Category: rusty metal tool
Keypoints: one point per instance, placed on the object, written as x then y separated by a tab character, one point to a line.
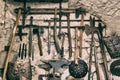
49	37
38	31
78	68
55	33
19	53
96	63
69	36
30	37
90	57
23	52
60	16
62	46
102	47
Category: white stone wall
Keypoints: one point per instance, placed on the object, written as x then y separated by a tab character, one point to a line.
107	10
90	5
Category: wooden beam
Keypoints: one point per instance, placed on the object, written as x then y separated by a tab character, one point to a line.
50	10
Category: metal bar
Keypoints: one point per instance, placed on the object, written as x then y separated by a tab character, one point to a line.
30	37
37	26
60	17
61	20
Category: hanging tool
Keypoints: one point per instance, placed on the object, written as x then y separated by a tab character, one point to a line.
11	43
55	33
98	31
5	10
20	49
92	24
49	37
23	51
38	31
60	16
69	35
62	46
30	37
81	34
102	47
96	62
78	68
20	33
90	57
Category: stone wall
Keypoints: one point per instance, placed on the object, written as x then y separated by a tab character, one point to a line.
97	8
107	10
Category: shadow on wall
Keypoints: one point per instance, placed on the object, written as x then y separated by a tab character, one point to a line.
52	1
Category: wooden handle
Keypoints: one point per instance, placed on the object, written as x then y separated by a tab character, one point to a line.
76	46
69	36
11	43
81	35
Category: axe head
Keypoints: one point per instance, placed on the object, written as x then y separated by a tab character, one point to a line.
89	29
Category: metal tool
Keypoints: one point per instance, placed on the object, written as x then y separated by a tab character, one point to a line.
55	33
92	24
20	49
102	47
69	36
60	16
96	63
49	37
78	68
93	49
23	51
30	37
38	31
115	67
11	43
20	33
56	64
62	46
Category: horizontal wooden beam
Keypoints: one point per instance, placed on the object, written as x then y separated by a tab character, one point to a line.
49	11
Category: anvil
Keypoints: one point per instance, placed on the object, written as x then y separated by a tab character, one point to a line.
55	64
